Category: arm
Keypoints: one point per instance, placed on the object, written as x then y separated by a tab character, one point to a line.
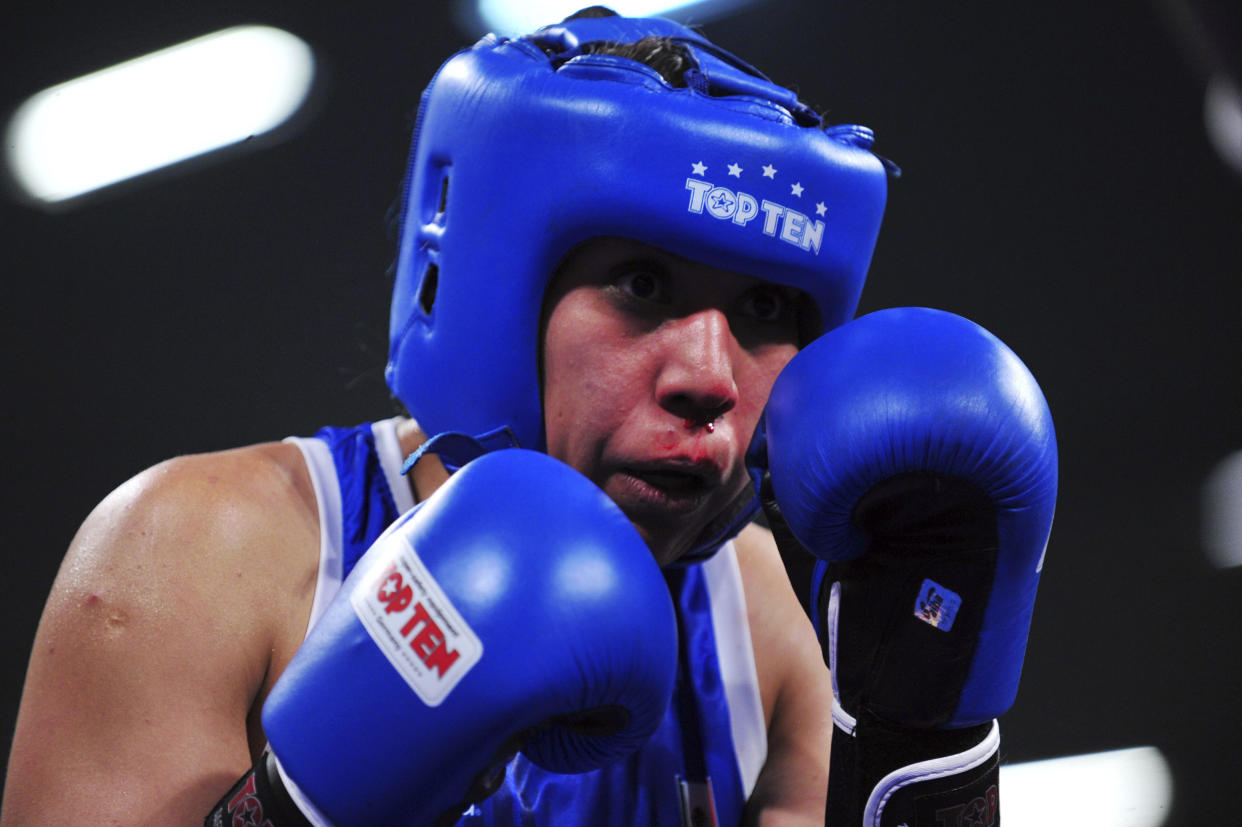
795	687
180	600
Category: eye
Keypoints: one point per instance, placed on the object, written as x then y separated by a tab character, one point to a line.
766	303
641	282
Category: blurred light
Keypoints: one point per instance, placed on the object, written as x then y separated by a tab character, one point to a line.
1123	788
486	577
156	110
1222	513
586	574
1222	114
515	17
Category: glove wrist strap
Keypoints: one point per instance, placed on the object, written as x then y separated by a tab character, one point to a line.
883	775
259	797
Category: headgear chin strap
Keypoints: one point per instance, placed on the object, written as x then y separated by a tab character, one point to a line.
524	148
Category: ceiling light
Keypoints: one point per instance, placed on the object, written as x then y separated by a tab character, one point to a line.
157	110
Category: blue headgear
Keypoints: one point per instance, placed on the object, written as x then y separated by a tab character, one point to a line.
525	148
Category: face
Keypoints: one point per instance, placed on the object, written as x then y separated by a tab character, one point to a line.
655	372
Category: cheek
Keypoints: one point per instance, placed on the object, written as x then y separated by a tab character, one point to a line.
585	380
559	400
590	387
765	366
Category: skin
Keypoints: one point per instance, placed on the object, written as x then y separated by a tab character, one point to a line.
187	590
655	372
642	349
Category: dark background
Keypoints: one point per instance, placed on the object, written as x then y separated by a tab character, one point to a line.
1058	188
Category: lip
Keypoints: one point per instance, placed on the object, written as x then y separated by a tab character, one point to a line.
668	487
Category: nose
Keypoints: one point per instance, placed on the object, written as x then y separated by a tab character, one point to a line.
696	379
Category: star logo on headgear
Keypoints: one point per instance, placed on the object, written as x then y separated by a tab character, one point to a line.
722	201
796	189
735	170
769	171
820	209
699	168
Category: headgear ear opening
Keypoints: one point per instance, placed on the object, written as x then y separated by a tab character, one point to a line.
526	147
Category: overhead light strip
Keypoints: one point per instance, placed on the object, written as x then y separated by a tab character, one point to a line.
157	110
1119	788
515	17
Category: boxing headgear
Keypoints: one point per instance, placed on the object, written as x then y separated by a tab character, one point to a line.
524	148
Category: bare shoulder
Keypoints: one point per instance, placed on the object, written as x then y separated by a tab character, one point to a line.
181	597
233	524
795	686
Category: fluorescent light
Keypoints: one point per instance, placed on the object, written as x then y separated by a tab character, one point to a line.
1222	507
156	110
1122	788
1222	114
515	17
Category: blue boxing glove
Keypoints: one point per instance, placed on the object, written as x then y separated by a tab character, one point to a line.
913	453
516	609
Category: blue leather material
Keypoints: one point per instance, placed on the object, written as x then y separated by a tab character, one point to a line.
693	742
519	155
571	614
918	391
640	789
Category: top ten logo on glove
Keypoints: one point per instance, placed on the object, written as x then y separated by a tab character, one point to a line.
413	623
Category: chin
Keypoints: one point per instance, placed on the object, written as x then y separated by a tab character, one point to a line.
665	550
671	537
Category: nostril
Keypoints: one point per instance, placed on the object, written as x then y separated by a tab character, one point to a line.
696	410
713	413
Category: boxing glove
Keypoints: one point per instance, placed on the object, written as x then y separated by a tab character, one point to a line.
913	453
516	609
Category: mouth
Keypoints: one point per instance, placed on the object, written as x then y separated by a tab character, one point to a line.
671	488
